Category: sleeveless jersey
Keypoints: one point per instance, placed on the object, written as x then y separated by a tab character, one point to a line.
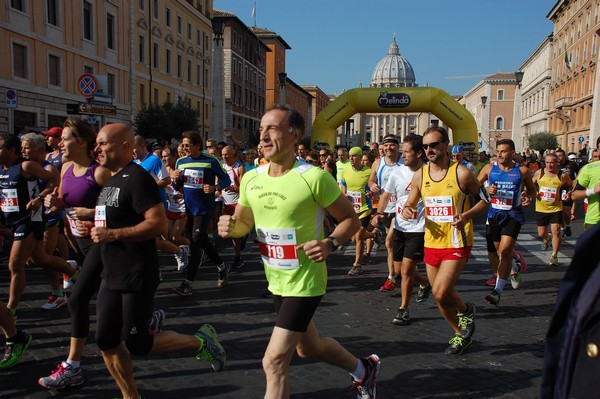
549	198
398	184
443	200
15	194
289	210
510	186
79	191
383	173
232	197
56	161
356	182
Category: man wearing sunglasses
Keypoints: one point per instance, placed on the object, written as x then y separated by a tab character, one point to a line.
444	187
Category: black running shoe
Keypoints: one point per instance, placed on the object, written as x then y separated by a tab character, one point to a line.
466	321
402	318
423	294
457	345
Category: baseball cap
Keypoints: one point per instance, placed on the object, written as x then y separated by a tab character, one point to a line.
355	151
457	149
572	157
55	131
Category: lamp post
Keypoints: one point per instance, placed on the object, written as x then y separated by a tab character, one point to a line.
485	128
282	78
517	132
218	119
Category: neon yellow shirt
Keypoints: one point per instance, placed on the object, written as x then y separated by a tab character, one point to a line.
340	166
289	210
356	182
588	177
549	198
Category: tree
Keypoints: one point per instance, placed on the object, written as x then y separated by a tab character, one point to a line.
166	121
543	141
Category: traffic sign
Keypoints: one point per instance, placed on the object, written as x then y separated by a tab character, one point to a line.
91	119
11	98
87	85
581	139
97	109
480	144
102	99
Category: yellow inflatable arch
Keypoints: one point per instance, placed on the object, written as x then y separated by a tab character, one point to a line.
396	100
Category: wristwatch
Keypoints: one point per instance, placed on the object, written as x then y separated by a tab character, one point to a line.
335	244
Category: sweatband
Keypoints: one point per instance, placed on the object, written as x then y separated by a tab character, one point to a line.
589	192
390	140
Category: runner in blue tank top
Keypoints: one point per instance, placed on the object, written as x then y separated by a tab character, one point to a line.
505	180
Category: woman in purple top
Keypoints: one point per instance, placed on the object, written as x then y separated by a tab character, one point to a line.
82	179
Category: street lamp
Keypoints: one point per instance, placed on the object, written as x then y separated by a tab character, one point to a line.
519	77
483	127
282	78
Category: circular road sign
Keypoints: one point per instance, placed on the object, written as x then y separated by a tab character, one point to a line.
581	139
87	85
11	94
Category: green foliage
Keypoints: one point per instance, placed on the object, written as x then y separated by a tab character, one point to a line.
542	141
166	121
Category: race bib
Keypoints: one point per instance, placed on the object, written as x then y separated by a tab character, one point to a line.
9	200
278	248
193	178
100	216
503	200
439	209
548	194
356	199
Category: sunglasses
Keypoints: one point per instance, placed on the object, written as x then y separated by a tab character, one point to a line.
322	155
210	146
433	145
312	161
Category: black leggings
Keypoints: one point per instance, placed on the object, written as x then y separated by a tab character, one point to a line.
197	227
87	284
127	311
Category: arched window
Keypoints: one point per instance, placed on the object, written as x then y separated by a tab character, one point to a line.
499	123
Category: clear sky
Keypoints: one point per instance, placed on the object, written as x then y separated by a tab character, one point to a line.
335	44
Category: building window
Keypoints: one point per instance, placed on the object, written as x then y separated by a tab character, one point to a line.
189	31
17	5
168	97
156	96
179	22
155	55
155	9
198	37
110	83
198	75
141	4
52	12
179	66
110	31
20	67
88	69
142	95
142	49
501	94
54	70
499	123
88	18
189	71
168	17
168	61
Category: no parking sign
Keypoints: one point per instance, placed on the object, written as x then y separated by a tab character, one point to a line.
87	85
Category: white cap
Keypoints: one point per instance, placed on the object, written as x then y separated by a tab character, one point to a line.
572	157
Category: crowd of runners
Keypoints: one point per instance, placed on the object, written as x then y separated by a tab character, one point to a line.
94	209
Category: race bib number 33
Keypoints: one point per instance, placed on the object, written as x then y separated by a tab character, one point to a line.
278	248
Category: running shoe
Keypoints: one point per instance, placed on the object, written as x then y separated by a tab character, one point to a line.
223	278
466	321
64	376
69	281
366	388
493	297
402	317
238	263
515	275
365	259
521	261
388	286
210	350
55	302
562	231
545	244
182	258
14	350
423	293
185	289
553	260
491	282
457	345
355	271
568	231
156	322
